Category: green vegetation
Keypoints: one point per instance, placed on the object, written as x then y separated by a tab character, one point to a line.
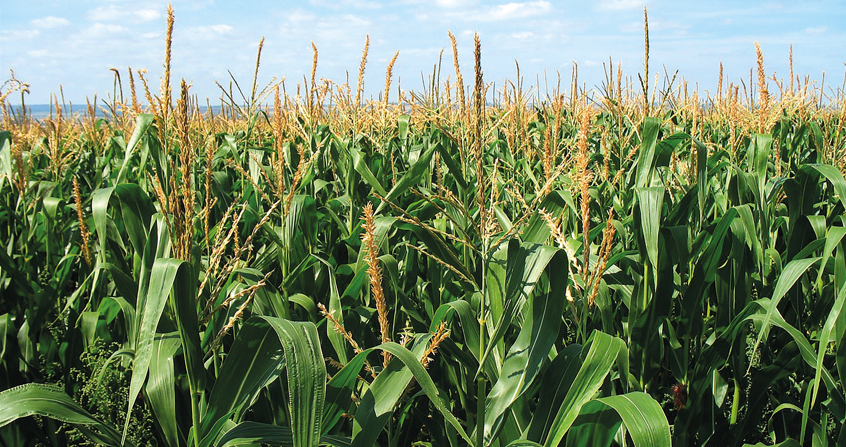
631	267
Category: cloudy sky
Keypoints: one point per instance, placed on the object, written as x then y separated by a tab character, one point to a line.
73	44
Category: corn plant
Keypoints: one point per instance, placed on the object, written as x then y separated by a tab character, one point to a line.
604	269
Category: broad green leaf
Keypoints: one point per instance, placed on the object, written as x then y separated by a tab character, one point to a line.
164	273
255	359
389	385
650	201
538	334
835	235
339	390
361	167
596	367
335	309
702	189
834	316
183	300
509	288
786	443
556	383
837	403
410	178
788	278
596	426
52	402
161	386
646	153
384	393
643	417
5	158
835	177
142	127
452	165
254	433
306	378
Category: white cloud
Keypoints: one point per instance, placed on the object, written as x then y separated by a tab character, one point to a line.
38	54
113	13
105	14
816	30
590	63
523	35
50	22
658	28
661	25
19	34
429	53
339	4
205	32
454	4
104	29
620	5
221	29
511	11
147	15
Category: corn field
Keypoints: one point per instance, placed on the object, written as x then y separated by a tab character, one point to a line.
631	265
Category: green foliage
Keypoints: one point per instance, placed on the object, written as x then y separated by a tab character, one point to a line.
208	285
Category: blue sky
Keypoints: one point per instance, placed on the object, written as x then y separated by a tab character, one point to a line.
49	43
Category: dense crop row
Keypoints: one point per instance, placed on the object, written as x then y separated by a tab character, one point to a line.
600	269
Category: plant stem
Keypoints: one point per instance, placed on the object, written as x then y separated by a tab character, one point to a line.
735	403
480	411
195	415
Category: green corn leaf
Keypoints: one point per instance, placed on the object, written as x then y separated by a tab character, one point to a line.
254	433
792	271
650	201
306	378
539	332
384	392
835	235
361	167
702	186
836	403
469	327
183	302
826	336
164	273
139	134
835	177
592	373
509	287
596	425
523	443
50	401
556	383
643	417
449	160
410	178
335	309
255	359
161	386
786	443
339	390
5	158
646	153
